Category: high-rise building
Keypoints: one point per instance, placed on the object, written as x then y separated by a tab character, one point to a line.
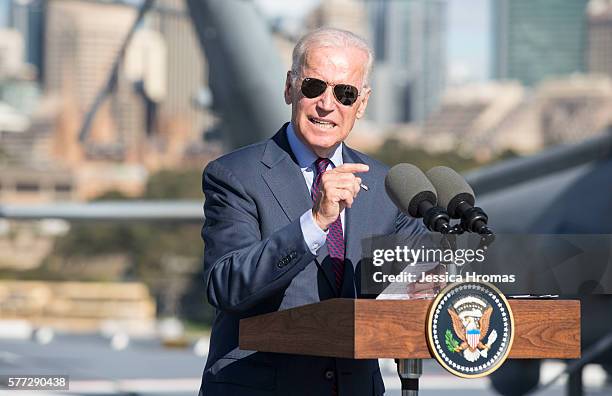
82	42
599	56
410	58
11	53
186	75
27	17
152	115
349	15
535	40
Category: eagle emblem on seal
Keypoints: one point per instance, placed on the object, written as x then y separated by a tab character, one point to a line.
470	317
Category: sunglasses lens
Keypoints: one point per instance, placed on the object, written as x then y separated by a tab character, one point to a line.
312	87
346	94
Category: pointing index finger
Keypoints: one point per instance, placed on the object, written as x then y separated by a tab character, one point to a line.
352	168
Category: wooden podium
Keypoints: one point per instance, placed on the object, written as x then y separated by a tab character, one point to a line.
366	329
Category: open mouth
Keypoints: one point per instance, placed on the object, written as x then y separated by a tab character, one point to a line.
323	124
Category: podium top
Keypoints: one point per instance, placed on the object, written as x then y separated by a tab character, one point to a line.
364	329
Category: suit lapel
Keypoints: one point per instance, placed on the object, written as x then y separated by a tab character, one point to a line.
287	185
285	180
284	177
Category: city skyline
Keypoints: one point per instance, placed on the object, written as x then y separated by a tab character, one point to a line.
468	34
147	110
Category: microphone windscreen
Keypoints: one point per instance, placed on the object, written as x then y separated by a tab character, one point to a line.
407	186
452	189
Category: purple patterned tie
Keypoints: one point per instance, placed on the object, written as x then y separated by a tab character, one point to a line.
335	237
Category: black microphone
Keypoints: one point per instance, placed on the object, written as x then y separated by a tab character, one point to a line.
456	195
413	194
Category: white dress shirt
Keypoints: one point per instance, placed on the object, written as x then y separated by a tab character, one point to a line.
314	236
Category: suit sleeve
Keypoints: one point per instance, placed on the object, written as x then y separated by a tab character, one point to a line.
240	268
412	232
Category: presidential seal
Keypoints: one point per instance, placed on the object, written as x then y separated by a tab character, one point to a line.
470	329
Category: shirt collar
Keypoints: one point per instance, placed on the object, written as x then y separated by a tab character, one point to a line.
304	155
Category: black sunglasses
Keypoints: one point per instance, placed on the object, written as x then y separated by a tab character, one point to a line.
344	93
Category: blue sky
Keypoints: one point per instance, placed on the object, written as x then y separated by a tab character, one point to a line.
4	13
469	38
295	8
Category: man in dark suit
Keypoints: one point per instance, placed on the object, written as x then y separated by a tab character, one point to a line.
284	224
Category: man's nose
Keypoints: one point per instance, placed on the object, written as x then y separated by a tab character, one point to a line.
326	100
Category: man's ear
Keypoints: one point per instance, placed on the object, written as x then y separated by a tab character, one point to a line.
288	88
363	103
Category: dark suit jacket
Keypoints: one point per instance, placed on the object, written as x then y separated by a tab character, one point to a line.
256	261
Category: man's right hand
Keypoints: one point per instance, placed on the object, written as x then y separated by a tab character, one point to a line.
338	189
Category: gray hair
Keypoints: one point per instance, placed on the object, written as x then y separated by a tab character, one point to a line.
329	37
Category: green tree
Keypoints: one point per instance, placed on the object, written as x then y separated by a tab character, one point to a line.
175	185
393	152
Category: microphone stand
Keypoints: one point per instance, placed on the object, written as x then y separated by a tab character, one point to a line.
449	237
410	370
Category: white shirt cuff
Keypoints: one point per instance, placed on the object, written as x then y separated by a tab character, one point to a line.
314	236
